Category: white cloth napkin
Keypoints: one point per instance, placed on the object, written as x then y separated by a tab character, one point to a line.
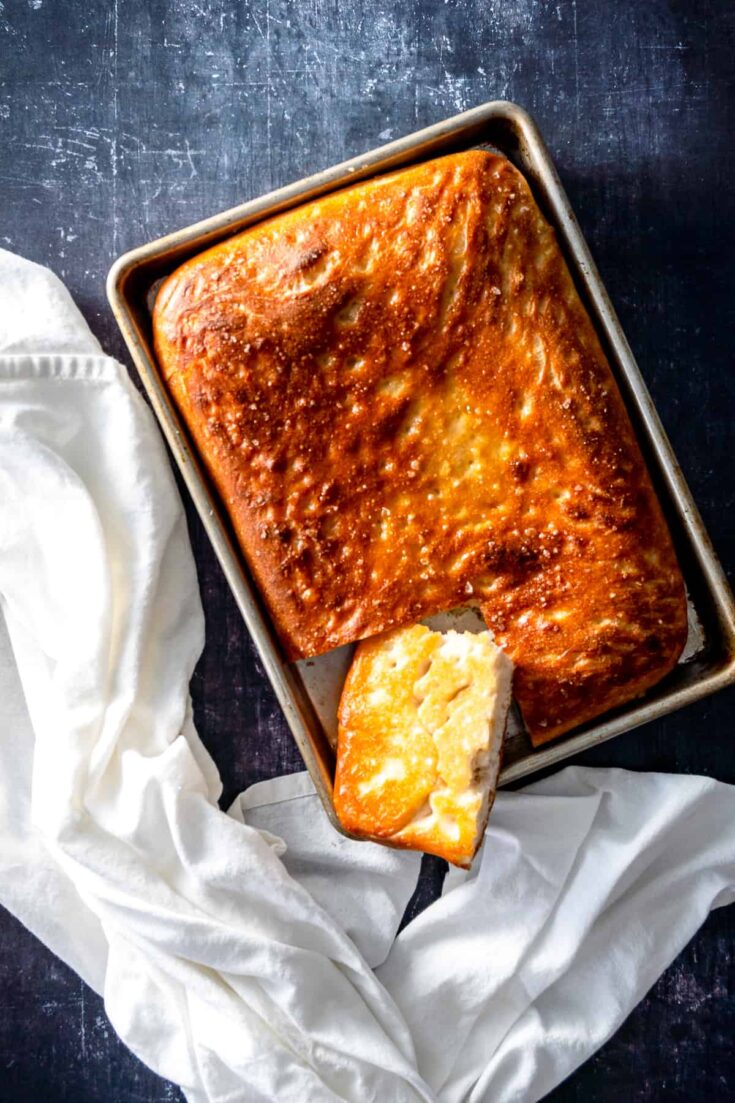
238	970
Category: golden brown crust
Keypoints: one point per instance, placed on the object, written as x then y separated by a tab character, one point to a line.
404	406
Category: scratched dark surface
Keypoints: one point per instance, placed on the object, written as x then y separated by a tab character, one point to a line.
122	120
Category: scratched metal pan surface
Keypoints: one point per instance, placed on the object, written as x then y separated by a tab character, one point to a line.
308	691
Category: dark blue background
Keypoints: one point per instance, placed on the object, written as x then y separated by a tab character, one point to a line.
120	121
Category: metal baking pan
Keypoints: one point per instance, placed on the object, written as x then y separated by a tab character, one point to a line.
308	691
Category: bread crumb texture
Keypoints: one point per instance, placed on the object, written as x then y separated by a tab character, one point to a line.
421	725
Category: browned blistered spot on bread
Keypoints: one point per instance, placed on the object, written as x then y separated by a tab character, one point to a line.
402	378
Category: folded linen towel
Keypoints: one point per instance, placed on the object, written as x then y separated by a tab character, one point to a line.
235	967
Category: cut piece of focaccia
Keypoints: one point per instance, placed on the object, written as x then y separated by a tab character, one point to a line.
421	725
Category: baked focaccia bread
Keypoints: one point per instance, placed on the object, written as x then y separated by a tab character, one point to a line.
405	407
421	723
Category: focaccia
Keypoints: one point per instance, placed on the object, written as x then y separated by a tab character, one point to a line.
404	406
421	724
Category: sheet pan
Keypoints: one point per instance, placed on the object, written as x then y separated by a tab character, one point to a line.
308	691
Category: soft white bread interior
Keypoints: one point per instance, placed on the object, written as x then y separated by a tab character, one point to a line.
421	726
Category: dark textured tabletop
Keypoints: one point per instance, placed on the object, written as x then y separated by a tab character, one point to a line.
123	119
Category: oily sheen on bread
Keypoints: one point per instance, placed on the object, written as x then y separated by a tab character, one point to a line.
404	407
421	724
